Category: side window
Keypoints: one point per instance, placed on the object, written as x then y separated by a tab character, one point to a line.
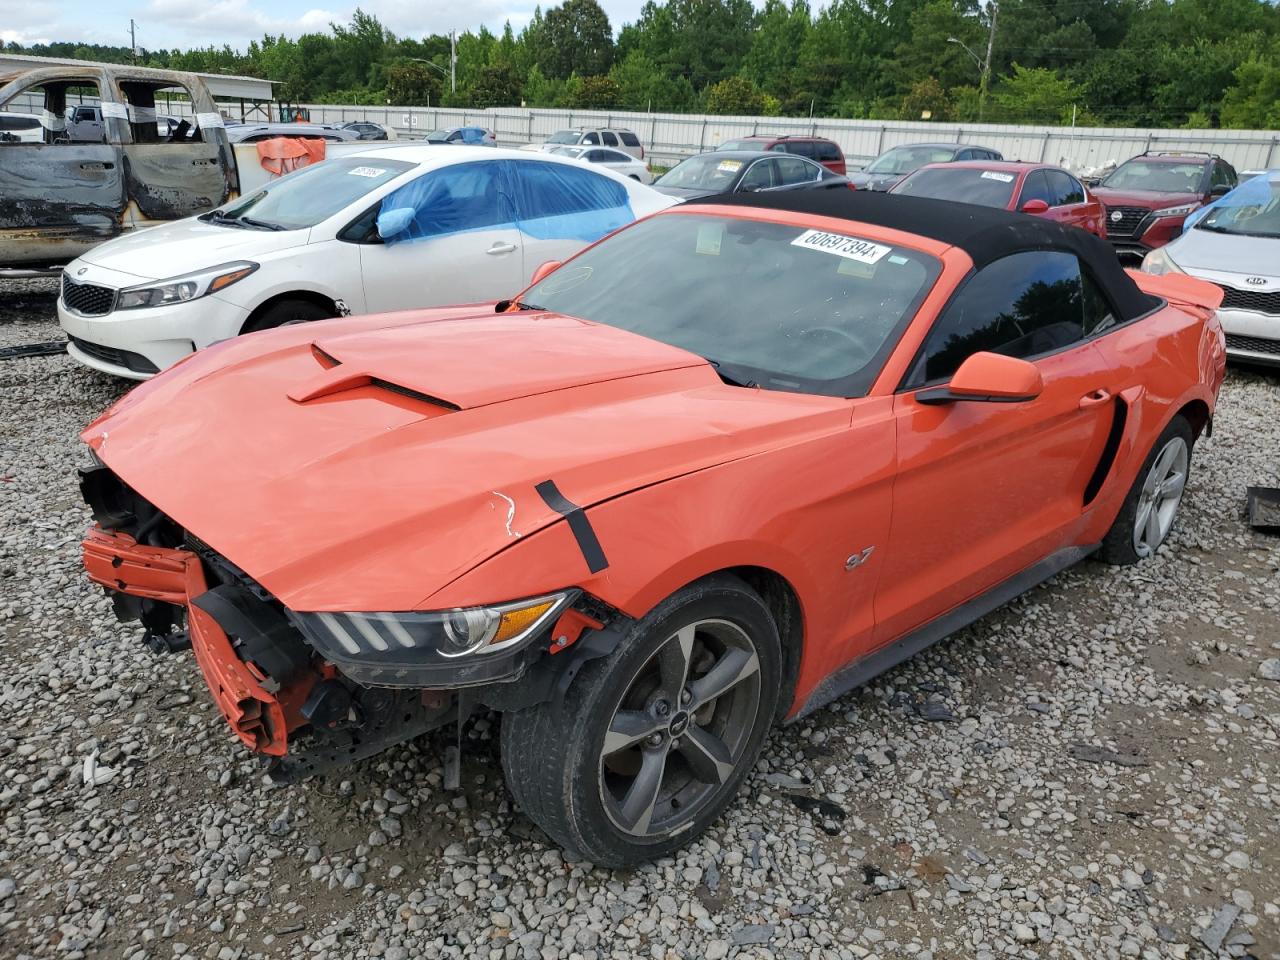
778	148
592	138
598	156
1222	175
458	198
609	139
792	170
629	139
454	137
1023	305
61	114
1035	187
1063	188
964	155
1098	315
145	124
558	201
828	152
761	175
801	148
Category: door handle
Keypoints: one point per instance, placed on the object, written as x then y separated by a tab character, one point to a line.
1098	396
500	248
98	166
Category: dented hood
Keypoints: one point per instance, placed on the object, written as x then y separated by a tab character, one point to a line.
363	464
185	246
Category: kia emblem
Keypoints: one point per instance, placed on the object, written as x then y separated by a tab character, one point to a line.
81	271
1117	216
1255	281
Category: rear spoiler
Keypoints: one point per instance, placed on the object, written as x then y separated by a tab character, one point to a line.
1179	289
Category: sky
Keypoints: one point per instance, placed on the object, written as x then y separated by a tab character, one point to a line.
198	23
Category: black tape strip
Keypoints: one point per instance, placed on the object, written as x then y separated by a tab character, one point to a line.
592	552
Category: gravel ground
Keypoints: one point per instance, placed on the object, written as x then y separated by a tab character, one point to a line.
1089	772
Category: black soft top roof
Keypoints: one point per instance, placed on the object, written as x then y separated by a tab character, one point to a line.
984	233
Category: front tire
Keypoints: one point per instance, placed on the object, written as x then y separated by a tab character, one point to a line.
1151	507
285	312
652	743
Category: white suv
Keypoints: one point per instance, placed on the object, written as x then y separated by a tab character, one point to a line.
618	138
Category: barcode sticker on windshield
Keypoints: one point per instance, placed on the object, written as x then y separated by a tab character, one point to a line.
365	172
996	175
851	248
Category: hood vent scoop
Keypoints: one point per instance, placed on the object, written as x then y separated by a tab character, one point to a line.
339	378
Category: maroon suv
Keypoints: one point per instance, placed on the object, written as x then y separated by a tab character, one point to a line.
824	151
1147	198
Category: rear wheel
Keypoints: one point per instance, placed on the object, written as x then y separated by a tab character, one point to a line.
1151	507
284	312
652	743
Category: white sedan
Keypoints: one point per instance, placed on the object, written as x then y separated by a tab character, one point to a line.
389	228
614	160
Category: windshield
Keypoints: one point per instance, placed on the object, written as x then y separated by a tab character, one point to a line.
906	159
986	188
564	136
438	136
568	151
1252	210
743	145
772	305
312	194
1160	177
705	172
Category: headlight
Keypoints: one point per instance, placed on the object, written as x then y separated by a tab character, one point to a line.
1181	210
190	286
405	638
1159	262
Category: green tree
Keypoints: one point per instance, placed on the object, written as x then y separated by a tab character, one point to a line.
412	85
927	96
1036	95
575	38
1253	102
595	93
497	85
734	96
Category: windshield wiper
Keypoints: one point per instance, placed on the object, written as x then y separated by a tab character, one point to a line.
260	224
728	378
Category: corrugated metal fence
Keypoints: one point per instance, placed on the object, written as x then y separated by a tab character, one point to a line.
671	136
668	137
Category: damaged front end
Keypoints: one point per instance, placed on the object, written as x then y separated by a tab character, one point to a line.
312	691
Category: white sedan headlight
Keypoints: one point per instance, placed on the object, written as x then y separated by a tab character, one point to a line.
190	286
1159	262
1181	210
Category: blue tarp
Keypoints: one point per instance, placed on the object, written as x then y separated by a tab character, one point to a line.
543	200
1255	192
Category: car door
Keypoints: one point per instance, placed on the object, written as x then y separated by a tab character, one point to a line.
1067	204
984	490
57	197
795	174
459	242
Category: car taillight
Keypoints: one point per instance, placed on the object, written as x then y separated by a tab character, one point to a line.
642	151
851	185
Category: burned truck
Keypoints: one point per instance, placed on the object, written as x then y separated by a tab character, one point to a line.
62	193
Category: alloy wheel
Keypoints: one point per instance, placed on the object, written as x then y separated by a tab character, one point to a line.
680	729
1160	496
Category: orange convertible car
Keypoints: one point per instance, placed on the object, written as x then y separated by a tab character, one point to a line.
710	473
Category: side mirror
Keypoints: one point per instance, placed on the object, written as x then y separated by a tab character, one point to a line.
393	222
1035	205
990	378
545	270
1220	190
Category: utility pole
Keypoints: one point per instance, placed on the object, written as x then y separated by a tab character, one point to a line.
986	67
133	42
453	61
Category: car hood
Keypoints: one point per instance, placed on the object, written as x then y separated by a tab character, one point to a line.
327	459
184	246
685	193
1152	199
1226	253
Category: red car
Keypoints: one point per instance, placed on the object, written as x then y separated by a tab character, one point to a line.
819	149
1040	189
1148	198
709	474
